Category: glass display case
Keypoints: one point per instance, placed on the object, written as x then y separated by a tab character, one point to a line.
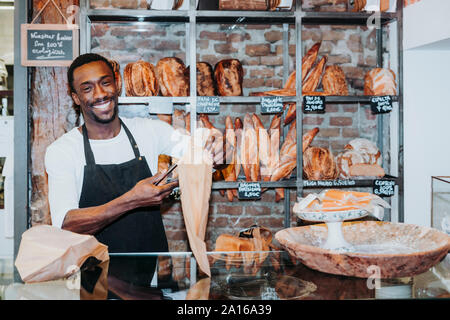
267	275
440	203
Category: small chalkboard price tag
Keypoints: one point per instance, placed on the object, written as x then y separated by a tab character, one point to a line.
208	104
249	190
384	188
313	104
271	104
381	104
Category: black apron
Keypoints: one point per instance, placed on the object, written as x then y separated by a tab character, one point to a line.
139	230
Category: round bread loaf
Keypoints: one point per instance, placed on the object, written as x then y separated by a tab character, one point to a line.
319	164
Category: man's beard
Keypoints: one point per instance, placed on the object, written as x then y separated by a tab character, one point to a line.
97	119
105	121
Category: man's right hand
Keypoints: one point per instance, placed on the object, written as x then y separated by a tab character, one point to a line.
145	193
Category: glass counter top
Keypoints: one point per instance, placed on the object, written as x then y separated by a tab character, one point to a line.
271	275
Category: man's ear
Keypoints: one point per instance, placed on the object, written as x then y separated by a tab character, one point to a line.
75	98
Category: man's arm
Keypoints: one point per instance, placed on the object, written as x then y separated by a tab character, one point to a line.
92	219
64	196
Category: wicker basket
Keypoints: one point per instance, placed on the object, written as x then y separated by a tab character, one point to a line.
243	5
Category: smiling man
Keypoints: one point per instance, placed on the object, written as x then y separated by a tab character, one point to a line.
101	174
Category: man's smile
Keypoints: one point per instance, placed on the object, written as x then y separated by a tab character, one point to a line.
102	105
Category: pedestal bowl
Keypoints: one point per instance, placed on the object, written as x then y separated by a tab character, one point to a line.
380	249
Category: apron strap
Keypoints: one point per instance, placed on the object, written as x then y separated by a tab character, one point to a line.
89	155
134	145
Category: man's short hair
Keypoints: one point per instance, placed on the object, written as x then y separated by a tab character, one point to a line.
82	60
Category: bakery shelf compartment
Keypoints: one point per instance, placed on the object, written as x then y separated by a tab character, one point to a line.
347	18
115	15
241	17
291	183
353	99
344	183
309	184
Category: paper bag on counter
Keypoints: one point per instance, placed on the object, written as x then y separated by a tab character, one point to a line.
50	253
195	176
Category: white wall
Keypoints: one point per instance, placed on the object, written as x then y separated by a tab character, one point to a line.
426	22
426	64
426	128
7	36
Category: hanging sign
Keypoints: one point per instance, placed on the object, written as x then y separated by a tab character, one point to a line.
271	104
52	45
381	104
249	190
384	188
312	104
206	104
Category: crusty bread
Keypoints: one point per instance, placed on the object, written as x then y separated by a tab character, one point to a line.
205	80
367	147
172	77
313	80
118	77
333	81
319	164
380	82
140	79
229	76
366	170
346	159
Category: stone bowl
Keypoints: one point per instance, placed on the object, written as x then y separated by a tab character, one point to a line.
406	250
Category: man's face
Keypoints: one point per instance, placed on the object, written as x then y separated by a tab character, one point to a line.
95	92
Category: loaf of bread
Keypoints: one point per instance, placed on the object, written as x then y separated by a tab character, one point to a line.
367	148
205	80
380	82
140	79
243	5
313	80
309	59
319	164
358	5
229	76
173	77
333	81
118	77
366	170
346	159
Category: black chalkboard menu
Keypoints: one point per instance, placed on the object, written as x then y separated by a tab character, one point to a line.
384	188
271	104
313	104
249	190
381	104
49	44
206	104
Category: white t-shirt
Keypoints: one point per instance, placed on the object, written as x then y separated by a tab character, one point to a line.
65	159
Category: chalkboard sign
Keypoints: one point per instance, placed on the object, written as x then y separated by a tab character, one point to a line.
382	104
249	190
208	104
384	188
329	183
313	104
271	104
49	44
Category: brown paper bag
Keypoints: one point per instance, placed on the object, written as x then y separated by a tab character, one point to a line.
195	176
50	253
